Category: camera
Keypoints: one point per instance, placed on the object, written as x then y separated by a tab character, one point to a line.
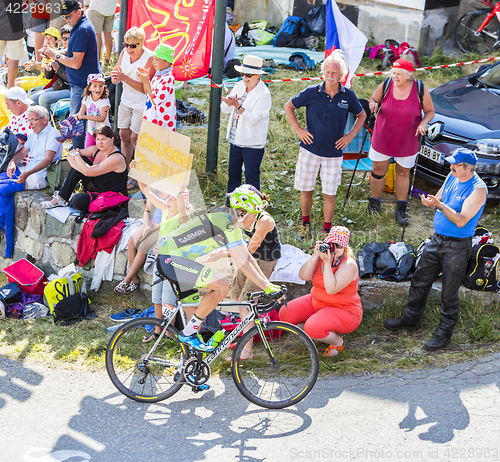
324	247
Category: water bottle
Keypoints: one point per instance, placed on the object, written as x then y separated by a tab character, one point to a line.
217	338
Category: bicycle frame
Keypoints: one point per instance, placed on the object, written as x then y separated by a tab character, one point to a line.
494	11
170	311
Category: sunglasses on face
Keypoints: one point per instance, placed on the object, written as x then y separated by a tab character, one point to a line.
337	245
67	16
64	39
131	45
248	75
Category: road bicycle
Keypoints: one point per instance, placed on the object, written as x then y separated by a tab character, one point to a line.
282	372
479	30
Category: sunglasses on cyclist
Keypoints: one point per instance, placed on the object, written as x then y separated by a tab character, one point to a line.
131	45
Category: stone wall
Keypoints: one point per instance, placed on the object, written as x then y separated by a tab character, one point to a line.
48	243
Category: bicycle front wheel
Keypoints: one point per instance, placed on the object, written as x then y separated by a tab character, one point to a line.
488	39
284	367
142	371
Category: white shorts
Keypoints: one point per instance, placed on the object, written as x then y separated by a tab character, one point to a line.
130	118
14	49
405	162
306	172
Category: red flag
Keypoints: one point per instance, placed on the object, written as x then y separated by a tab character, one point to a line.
186	26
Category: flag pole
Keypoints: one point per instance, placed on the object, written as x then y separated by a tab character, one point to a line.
216	85
119	46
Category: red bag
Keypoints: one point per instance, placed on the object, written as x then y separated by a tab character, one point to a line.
27	276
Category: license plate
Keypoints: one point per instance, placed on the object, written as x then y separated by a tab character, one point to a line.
432	154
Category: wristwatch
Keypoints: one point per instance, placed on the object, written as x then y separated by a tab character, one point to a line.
58	56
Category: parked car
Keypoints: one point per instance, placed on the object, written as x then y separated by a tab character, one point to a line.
467	115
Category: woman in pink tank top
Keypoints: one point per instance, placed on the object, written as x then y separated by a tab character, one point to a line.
398	125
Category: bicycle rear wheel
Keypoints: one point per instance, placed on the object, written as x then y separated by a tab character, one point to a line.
461	31
141	371
488	39
282	381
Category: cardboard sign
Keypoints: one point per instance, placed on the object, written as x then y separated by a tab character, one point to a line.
162	154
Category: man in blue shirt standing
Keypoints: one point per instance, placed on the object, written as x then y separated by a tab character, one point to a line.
321	142
459	204
81	57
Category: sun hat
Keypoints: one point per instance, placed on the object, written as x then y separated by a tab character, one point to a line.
462	155
403	64
52	31
251	65
18	94
165	52
95	78
70	6
339	234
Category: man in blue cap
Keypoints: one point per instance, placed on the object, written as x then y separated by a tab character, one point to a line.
458	204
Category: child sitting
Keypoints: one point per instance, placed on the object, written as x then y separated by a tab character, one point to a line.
27	83
160	100
95	106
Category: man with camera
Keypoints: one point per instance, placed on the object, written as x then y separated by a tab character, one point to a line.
458	204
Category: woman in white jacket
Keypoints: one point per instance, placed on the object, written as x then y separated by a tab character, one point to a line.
249	104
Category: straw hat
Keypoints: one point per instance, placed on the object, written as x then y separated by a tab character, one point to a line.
251	65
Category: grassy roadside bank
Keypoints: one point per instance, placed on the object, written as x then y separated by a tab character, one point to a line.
370	348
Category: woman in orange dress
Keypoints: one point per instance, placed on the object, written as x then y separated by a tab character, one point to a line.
333	307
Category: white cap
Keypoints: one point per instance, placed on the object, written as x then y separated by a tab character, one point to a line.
17	93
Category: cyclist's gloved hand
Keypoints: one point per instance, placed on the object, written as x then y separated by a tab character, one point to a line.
272	288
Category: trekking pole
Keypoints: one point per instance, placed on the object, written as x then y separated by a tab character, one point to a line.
421	139
354	171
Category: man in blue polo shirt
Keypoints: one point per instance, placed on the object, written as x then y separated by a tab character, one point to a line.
81	57
321	142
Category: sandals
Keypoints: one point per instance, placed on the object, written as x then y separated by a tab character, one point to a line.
339	348
132	287
149	338
121	288
50	205
125	288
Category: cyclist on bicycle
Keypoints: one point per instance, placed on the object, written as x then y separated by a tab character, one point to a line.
200	236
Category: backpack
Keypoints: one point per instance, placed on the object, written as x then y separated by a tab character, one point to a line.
293	32
230	71
107	200
73	309
301	61
420	89
482	268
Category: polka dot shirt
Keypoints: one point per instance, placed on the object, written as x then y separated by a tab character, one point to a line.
160	107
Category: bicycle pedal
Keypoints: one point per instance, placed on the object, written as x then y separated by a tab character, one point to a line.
201	388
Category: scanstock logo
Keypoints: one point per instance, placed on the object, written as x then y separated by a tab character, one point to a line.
167	260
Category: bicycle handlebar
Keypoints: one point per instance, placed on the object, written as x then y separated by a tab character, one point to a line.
268	302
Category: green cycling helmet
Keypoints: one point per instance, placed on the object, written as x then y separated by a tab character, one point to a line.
248	198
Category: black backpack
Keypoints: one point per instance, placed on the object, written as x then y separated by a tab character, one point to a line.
482	268
73	309
230	71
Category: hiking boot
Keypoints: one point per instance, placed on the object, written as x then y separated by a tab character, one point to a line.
399	324
400	213
437	342
195	343
374	206
323	234
304	232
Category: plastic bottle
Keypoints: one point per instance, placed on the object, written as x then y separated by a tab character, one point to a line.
217	338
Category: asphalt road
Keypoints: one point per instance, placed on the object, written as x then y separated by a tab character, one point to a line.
451	414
